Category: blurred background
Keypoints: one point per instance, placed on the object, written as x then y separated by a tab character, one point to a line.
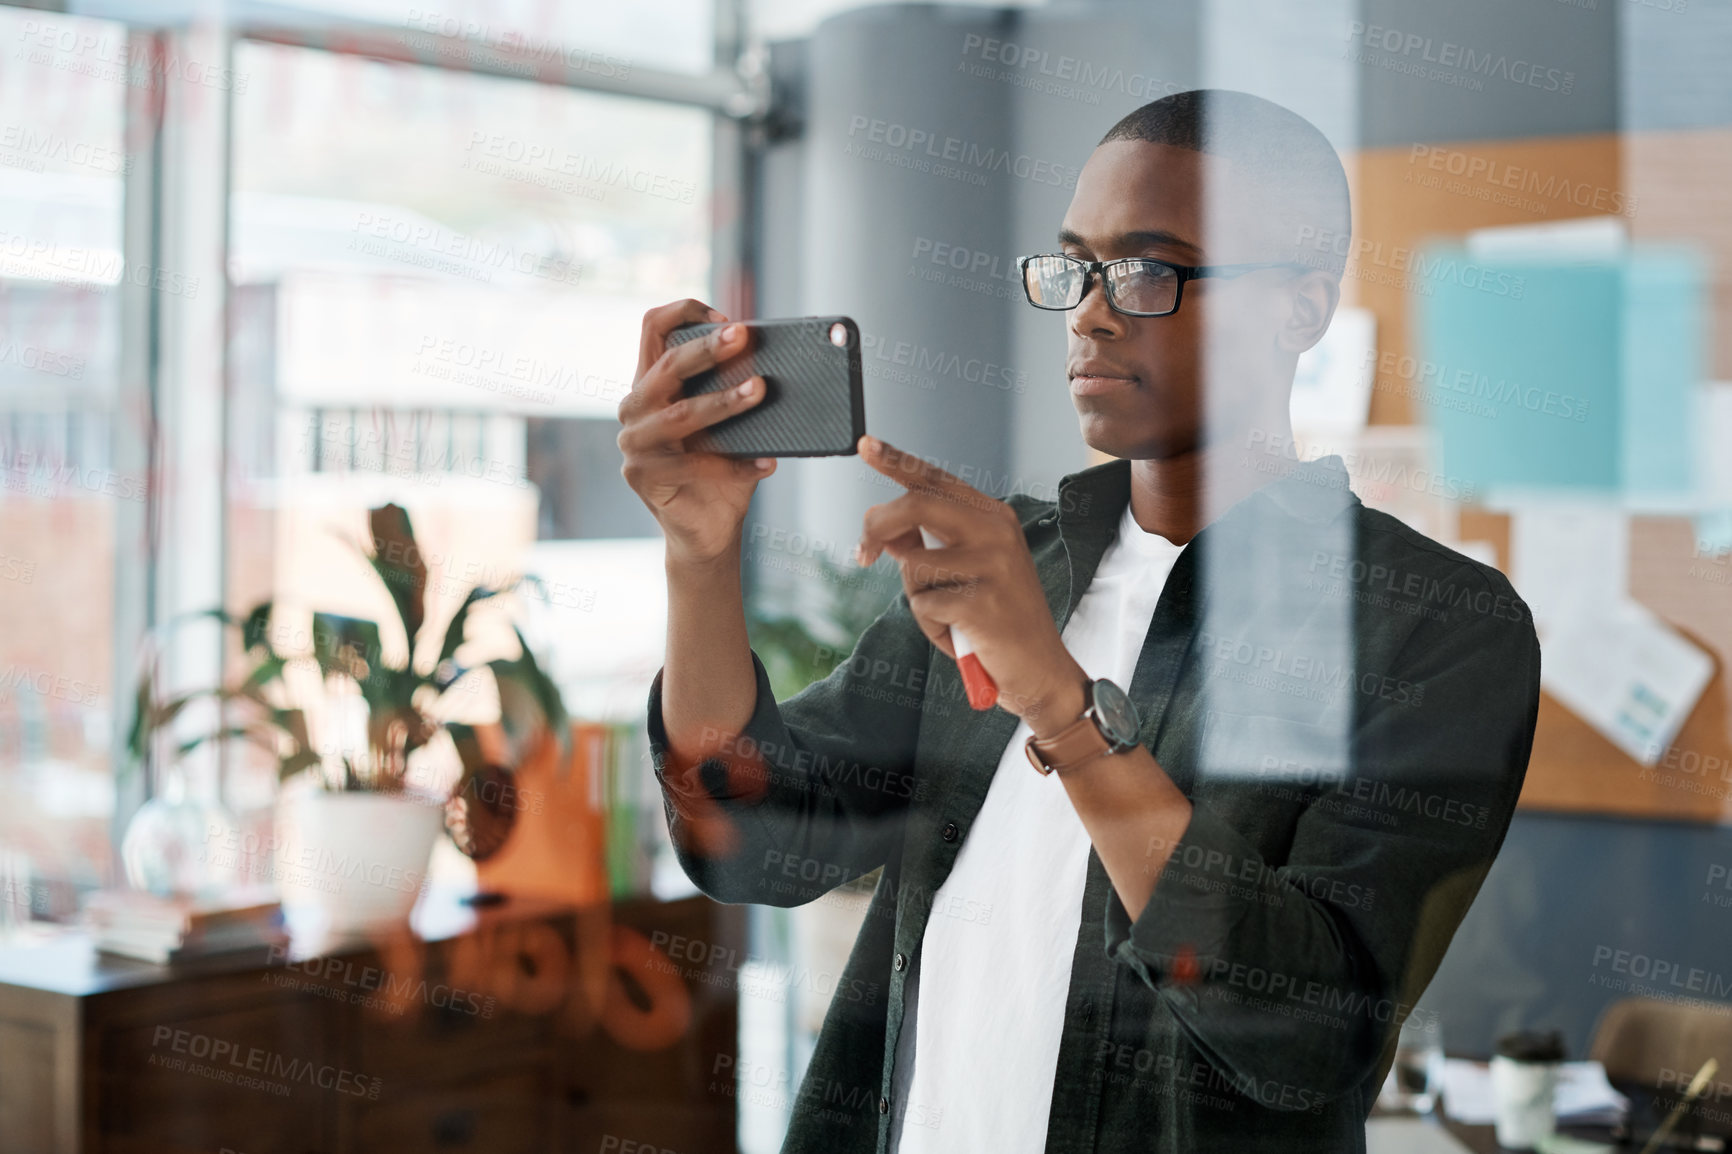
268	266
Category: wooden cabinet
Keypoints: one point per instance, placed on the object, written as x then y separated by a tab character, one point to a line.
472	1037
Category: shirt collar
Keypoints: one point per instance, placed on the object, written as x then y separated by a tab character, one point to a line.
1091	501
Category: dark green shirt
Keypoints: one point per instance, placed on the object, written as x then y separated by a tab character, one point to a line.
1348	705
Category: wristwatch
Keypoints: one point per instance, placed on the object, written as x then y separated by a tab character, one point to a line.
1108	725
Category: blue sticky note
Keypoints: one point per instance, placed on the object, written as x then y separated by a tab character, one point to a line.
1714	533
1559	373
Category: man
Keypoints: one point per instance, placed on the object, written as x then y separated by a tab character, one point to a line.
1256	745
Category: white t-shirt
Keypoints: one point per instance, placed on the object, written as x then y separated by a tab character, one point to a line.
990	984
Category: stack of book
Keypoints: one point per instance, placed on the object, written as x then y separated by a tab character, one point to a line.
242	925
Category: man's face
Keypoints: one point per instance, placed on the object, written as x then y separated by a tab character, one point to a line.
1159	387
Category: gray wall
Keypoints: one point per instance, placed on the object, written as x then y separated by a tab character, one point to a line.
1674	63
1533	950
1575	46
884	96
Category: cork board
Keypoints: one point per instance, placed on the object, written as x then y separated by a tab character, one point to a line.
1667	187
1576	770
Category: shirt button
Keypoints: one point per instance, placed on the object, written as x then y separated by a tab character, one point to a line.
901	960
950	831
884	1105
1088	1011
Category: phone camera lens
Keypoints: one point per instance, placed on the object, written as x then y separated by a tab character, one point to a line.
839	335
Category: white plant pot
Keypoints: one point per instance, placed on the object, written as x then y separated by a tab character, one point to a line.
353	861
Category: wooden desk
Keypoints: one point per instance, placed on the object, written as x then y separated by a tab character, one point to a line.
1479	1139
470	1033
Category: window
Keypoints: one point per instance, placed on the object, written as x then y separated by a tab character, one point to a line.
63	161
428	266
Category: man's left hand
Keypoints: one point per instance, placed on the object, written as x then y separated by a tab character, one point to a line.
983	582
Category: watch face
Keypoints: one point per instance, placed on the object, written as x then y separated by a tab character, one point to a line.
1114	713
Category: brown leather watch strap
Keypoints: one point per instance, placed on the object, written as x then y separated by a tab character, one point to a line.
1070	746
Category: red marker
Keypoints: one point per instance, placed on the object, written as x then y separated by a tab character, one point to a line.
981	688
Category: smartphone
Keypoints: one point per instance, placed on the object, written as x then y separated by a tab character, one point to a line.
815	399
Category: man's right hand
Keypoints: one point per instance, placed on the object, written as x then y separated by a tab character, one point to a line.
699	499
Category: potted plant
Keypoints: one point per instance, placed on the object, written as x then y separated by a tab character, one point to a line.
800	648
356	818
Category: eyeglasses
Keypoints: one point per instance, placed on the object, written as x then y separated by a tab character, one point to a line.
1136	286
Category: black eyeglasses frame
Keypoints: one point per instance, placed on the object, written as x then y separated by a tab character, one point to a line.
1094	268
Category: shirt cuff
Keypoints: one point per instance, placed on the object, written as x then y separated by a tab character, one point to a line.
710	778
1190	915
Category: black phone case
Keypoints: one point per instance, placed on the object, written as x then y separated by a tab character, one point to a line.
815	404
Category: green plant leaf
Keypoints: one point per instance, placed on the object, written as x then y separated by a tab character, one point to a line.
792	656
397	560
266	671
138	733
191	615
468	745
546	692
264	737
294	723
793	648
389	690
165	712
454	635
339	641
528	699
256	629
296	762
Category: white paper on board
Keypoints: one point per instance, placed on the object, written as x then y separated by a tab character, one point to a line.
1576	237
1628	674
1568	557
1332	382
1714	442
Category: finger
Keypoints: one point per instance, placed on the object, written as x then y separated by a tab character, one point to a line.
939	635
960	569
866	556
661	385
936	631
664	319
908	469
751	466
956	524
930	572
936	610
921	476
667	473
934	574
895	526
680	419
660	321
647	390
683	362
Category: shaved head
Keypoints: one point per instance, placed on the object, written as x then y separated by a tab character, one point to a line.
1288	174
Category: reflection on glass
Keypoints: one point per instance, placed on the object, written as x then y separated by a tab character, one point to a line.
62	159
1415	1079
426	261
